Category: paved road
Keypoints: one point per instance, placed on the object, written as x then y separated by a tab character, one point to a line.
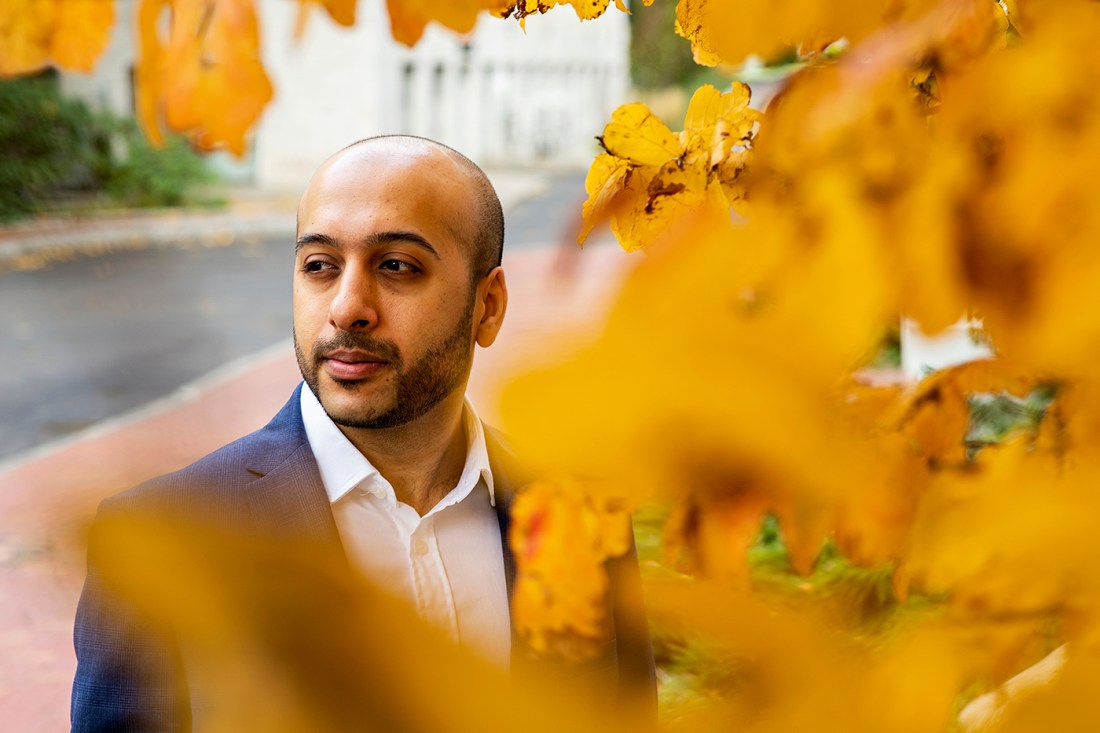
94	337
549	217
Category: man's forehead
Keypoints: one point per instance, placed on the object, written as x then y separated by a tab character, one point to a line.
431	166
413	168
395	153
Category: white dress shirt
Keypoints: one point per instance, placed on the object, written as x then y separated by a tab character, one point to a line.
447	564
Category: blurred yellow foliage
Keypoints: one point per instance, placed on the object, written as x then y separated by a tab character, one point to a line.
68	33
730	30
199	71
561	535
1013	515
790	670
943	166
280	634
733	380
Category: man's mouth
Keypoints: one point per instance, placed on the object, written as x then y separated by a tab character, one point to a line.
350	364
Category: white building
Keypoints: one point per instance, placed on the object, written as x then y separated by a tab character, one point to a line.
499	95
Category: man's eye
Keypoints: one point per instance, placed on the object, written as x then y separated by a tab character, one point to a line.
393	265
317	266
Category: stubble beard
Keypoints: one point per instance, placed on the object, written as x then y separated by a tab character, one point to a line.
418	387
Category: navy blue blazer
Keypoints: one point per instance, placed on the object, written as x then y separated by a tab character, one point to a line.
132	677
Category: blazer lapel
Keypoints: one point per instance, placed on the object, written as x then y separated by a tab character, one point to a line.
507	480
286	498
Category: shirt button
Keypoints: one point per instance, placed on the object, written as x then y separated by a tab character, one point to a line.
420	547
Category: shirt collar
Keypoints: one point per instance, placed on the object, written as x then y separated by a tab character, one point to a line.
343	467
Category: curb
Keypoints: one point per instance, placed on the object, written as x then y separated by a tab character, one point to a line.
61	241
183	394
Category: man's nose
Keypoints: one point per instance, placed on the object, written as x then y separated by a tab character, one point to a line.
353	307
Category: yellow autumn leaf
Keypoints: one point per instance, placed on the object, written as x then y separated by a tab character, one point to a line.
788	653
1016	515
585	9
149	73
716	122
1070	423
1062	698
70	34
342	12
603	184
240	89
204	77
561	537
871	523
736	122
936	415
650	178
408	18
730	30
654	200
185	76
26	27
81	33
637	136
589	9
710	531
703	111
691	25
726	528
992	222
937	423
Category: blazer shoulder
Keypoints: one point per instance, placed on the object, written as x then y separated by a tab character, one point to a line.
222	471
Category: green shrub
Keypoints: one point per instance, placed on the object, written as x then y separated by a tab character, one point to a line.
148	176
46	143
53	148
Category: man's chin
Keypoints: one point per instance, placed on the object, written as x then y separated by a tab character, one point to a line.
347	404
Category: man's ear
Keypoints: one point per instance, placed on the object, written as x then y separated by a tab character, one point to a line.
492	302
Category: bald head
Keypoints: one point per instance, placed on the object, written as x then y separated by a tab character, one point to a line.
483	232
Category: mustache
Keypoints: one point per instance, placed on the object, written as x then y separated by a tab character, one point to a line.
360	341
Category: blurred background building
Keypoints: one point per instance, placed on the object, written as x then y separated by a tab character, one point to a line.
499	95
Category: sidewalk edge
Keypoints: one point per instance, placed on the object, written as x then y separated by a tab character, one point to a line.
184	394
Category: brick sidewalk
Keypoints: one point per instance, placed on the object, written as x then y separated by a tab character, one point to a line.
47	497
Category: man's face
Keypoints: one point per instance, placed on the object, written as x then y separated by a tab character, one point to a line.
383	306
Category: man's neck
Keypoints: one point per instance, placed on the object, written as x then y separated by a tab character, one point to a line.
422	459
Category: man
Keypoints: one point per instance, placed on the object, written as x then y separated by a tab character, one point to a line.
379	459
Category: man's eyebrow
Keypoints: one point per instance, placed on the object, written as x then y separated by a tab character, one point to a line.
307	239
379	238
372	240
